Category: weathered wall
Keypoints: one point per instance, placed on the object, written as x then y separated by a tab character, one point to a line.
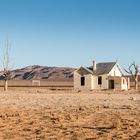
77	82
104	82
91	82
125	84
43	83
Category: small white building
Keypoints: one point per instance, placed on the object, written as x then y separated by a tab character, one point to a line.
101	76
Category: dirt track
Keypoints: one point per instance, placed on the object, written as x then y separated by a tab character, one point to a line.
83	116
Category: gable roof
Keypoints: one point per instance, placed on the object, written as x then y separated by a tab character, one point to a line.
103	68
84	71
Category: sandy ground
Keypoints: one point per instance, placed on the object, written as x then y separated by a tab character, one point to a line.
45	115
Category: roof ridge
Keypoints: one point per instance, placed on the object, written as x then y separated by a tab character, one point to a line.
106	62
103	68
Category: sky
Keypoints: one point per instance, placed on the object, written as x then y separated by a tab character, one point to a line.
70	33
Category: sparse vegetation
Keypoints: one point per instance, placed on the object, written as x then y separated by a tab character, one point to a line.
134	72
6	65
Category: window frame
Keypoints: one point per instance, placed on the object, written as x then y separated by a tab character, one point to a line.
99	80
82	81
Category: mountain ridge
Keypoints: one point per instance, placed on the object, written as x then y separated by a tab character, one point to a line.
42	73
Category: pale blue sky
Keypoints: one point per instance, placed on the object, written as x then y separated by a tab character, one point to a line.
70	33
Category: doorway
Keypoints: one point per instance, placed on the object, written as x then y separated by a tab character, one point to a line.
111	84
82	81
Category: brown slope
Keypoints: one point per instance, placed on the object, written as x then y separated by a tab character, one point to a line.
42	73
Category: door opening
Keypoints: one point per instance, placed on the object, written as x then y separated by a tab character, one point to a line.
111	84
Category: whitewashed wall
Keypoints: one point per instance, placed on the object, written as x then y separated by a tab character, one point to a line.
124	85
77	82
115	71
104	82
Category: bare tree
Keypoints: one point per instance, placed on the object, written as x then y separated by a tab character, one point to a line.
134	72
6	65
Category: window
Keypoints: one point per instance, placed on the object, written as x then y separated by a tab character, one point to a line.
82	81
123	81
99	80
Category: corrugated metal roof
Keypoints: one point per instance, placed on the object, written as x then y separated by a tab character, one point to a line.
103	68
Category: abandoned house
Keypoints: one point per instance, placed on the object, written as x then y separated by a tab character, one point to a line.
101	76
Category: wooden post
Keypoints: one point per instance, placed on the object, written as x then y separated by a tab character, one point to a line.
136	77
6	85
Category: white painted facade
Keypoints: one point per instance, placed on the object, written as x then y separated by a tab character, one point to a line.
91	80
116	71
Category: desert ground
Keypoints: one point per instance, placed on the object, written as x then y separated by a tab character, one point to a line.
41	114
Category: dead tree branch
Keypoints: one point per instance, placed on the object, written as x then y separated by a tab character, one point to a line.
6	64
133	70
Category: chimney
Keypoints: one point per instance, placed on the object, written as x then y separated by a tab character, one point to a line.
94	65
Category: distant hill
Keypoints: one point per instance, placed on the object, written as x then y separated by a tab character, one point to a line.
45	73
42	73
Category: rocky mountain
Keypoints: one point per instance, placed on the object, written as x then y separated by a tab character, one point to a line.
42	73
